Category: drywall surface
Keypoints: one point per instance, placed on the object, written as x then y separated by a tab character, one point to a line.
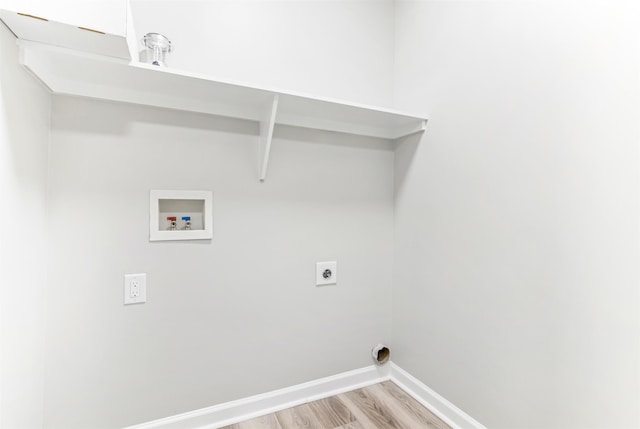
225	318
24	137
516	269
340	49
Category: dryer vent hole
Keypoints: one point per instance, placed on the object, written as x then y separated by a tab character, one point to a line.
381	355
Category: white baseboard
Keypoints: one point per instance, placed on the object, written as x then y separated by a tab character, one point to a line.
236	411
266	403
445	410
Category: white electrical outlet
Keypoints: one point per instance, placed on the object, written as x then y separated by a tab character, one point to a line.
326	273
135	288
134	284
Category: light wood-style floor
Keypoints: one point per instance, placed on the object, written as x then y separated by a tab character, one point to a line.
380	406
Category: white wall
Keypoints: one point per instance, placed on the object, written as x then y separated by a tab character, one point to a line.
516	278
240	314
227	318
330	48
24	137
516	218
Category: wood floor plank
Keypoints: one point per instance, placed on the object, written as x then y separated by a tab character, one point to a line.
352	425
331	412
369	412
265	422
380	406
402	399
385	400
300	417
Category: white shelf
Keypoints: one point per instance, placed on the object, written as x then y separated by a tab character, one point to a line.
92	74
39	29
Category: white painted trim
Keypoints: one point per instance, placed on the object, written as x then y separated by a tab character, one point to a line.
445	410
270	402
266	403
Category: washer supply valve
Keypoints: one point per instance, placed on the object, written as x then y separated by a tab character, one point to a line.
172	222
187	222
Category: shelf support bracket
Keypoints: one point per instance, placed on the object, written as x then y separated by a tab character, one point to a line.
267	125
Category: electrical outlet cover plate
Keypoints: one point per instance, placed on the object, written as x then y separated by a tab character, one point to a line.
326	273
135	288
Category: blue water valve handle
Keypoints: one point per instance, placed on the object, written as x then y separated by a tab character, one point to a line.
186	218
